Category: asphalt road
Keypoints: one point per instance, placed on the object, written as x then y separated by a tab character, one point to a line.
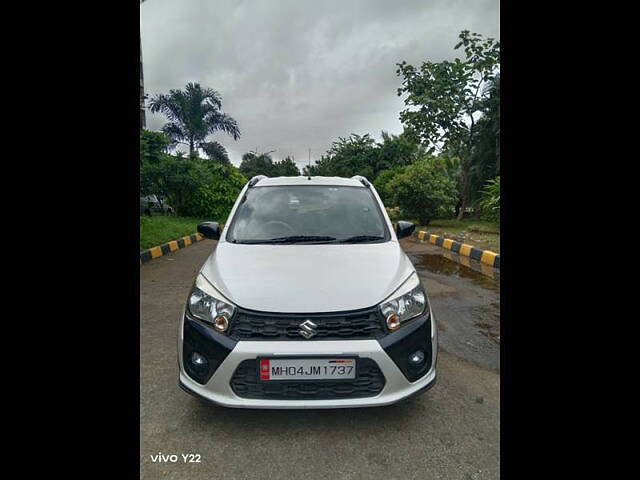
450	432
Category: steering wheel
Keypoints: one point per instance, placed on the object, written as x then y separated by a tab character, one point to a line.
278	223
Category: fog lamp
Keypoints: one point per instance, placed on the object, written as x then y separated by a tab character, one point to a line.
198	360
416	358
393	321
221	323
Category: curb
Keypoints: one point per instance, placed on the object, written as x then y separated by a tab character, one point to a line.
172	246
484	256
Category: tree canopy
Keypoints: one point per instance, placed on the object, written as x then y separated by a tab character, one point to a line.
347	157
215	151
362	155
285	168
423	191
485	157
193	186
446	99
254	163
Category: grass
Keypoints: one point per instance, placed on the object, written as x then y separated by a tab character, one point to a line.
484	235
160	229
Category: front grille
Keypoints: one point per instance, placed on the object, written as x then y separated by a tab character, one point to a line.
369	383
355	325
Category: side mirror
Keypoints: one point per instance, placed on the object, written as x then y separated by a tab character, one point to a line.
404	229
210	230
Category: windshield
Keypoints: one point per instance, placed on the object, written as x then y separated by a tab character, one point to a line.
308	214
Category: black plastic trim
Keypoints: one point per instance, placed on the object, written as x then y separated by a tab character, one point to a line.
203	339
402	400
369	382
413	336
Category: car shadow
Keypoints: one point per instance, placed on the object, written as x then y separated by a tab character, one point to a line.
281	421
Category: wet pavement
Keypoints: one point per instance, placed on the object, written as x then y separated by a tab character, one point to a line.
465	298
450	432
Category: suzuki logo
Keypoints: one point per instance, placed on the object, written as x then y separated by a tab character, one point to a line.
307	329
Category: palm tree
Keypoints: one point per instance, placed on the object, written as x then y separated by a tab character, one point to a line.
194	113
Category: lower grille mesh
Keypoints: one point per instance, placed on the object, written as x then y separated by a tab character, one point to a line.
246	384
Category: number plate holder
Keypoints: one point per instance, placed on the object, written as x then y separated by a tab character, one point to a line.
306	362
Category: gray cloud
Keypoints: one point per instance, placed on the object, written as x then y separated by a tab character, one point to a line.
297	74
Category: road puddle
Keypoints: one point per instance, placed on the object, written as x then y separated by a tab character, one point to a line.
465	298
452	264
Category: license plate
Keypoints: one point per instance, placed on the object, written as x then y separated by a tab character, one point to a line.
307	368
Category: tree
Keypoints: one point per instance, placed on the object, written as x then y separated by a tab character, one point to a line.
490	200
361	155
397	151
445	100
194	113
382	184
215	151
486	150
215	196
153	148
174	177
254	163
285	168
193	186
152	145
423	191
347	157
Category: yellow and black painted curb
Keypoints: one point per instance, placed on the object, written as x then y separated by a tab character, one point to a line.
172	246
484	256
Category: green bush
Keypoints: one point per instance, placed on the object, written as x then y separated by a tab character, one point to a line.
381	184
175	177
424	192
490	201
215	196
394	214
194	187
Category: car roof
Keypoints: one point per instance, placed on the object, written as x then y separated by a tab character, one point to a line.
302	180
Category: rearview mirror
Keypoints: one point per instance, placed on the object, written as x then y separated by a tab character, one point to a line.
210	230
404	229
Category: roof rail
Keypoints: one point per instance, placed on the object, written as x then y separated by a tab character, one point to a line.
256	179
362	180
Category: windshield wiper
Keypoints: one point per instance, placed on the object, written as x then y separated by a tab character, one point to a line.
361	239
293	239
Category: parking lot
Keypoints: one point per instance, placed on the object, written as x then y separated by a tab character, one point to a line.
450	432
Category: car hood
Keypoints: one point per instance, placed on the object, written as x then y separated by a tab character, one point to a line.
307	278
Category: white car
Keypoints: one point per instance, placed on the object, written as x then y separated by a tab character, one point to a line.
308	301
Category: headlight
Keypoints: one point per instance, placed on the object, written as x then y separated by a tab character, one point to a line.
206	304
408	302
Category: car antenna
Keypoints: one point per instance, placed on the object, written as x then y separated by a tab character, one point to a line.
309	167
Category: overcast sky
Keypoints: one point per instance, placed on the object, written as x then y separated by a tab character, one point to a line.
298	74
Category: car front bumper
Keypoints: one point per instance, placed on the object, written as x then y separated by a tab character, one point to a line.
217	388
